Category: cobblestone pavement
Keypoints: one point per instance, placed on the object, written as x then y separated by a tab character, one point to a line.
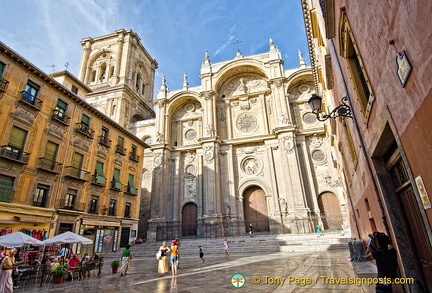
276	272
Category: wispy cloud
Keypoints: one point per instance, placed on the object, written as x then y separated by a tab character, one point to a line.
231	37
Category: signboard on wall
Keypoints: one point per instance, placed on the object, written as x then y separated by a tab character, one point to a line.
422	192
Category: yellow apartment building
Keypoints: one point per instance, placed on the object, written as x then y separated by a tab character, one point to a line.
64	165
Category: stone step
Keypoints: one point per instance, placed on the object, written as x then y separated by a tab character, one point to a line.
245	244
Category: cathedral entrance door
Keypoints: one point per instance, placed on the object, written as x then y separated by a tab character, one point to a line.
255	210
189	220
331	215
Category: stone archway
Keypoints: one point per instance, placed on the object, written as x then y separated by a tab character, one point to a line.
255	209
331	215
189	219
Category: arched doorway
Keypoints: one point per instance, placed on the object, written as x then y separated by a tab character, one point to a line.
189	219
331	215
255	209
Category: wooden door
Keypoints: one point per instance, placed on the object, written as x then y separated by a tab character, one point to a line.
255	210
189	220
331	215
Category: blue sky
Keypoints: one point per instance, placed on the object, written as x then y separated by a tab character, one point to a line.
175	32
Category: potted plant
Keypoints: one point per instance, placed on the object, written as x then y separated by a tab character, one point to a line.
58	273
115	264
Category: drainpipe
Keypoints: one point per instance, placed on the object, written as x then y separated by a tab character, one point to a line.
362	145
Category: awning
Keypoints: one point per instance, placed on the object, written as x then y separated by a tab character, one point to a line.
35	220
100	223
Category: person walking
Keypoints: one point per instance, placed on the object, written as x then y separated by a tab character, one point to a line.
174	258
250	230
7	266
125	261
201	254
163	261
226	246
386	261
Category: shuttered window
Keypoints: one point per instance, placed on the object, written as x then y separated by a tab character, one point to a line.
6	188
51	151
85	119
2	66
77	160
117	182
18	138
100	173
131	184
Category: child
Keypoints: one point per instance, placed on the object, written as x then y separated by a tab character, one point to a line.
201	253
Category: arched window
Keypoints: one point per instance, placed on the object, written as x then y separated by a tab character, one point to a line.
143	89
93	76
102	72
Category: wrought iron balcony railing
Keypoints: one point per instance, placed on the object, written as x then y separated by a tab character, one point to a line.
60	117
49	165
134	157
116	185
98	180
30	100
120	150
76	173
84	129
14	154
103	140
3	85
73	205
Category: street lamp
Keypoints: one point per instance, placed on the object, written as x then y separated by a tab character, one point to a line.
315	103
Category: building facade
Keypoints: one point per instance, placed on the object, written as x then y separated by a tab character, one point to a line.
378	55
241	148
64	165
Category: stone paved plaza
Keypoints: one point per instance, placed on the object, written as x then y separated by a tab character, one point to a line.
215	274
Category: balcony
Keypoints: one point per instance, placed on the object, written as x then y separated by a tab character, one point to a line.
120	150
117	186
105	141
66	204
131	190
49	165
85	130
14	154
98	180
60	117
75	173
3	85
134	157
31	101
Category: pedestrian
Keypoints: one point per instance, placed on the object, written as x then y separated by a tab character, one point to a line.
174	257
163	261
126	258
226	246
7	266
250	230
201	254
386	260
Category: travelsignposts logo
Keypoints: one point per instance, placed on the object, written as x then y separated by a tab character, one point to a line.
238	280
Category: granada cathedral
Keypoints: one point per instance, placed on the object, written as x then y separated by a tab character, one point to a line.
242	148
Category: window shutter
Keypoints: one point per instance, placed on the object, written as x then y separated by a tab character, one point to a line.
77	160
118	184
51	151
85	119
62	105
6	188
17	138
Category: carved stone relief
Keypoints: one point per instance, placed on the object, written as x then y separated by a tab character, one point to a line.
190	189
246	122
157	160
288	143
251	165
209	154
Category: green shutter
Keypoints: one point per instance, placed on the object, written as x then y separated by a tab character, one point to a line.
6	188
85	119
117	180
51	151
77	160
2	66
17	138
131	183
100	173
62	105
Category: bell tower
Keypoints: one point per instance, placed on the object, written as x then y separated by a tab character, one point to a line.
120	72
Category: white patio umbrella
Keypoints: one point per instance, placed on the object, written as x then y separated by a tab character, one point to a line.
68	237
19	239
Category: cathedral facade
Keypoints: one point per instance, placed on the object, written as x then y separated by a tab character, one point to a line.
241	149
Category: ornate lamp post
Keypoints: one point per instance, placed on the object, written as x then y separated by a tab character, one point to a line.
315	103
